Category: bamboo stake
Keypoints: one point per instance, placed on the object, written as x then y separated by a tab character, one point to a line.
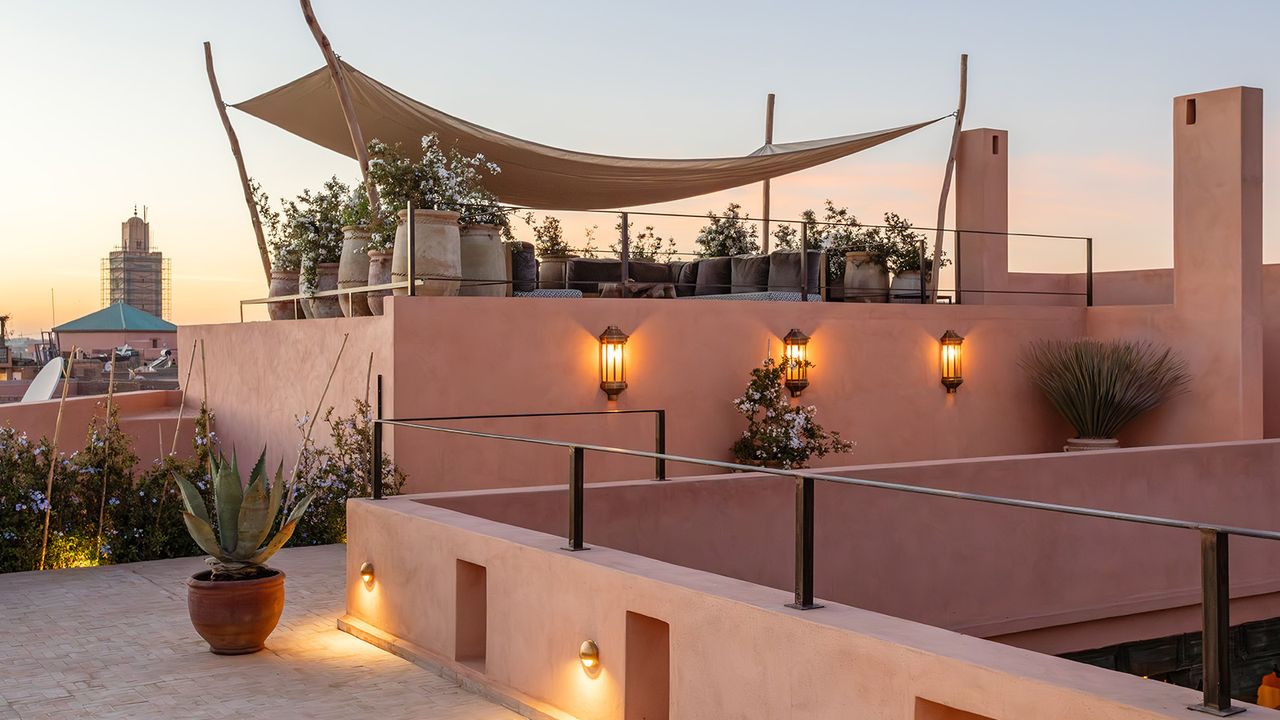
106	451
368	378
182	404
934	271
204	380
768	140
344	97
53	454
235	151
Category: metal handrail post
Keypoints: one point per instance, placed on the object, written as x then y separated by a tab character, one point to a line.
411	261
804	545
625	242
660	443
376	462
1215	656
923	282
959	257
1088	272
576	483
804	262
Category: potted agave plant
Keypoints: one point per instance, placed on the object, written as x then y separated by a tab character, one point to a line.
236	603
1099	386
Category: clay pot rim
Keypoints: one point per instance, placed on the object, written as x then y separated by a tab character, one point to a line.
276	576
285	274
446	215
484	226
356	229
380	253
326	266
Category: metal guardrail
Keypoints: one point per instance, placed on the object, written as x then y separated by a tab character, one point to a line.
1214	538
624	253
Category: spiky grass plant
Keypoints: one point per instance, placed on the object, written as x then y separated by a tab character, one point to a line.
1099	386
245	516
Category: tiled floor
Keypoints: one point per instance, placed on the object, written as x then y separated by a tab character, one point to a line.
115	642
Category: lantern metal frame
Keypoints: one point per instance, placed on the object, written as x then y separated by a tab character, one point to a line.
795	347
613	375
950	360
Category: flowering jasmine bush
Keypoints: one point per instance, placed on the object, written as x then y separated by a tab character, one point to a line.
729	234
440	180
101	510
780	435
337	472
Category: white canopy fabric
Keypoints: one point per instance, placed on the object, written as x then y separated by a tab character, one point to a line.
532	174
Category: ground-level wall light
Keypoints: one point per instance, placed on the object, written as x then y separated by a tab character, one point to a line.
589	654
795	346
366	574
613	361
950	354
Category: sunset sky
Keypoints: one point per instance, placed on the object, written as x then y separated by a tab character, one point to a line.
106	105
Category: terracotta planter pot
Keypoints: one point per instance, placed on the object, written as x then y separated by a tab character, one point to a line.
379	274
353	271
437	255
235	616
552	271
326	279
1083	444
485	268
906	287
283	283
864	280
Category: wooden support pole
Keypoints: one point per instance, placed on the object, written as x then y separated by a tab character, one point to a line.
768	140
946	183
235	151
344	96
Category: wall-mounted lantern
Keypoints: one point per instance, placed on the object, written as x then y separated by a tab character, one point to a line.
949	360
613	363
795	346
366	574
589	655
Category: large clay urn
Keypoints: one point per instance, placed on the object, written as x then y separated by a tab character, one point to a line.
906	287
379	274
437	254
284	282
553	271
864	279
235	616
485	269
326	279
353	271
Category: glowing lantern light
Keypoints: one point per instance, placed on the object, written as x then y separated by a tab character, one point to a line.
613	364
795	347
949	359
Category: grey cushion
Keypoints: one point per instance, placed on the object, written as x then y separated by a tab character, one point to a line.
650	272
784	271
749	273
586	274
524	267
714	276
685	275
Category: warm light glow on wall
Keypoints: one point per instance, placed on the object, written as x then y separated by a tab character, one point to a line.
795	347
613	361
366	574
950	356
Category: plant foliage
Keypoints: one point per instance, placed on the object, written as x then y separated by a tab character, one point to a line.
729	234
1099	386
778	434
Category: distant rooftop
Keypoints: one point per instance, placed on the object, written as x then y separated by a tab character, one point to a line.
118	316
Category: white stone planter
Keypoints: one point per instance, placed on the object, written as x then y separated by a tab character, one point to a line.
437	253
485	268
353	271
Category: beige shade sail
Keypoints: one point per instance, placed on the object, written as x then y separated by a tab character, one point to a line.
532	174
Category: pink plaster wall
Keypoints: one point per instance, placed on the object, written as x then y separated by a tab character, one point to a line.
1049	582
982	204
876	380
263	376
147	416
735	650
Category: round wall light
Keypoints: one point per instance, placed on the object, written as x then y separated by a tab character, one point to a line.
589	655
366	574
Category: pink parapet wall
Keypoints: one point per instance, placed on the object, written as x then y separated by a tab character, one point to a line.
147	416
732	649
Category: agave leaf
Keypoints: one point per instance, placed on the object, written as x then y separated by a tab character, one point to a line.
192	500
259	468
285	532
277	492
227	495
254	521
202	534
